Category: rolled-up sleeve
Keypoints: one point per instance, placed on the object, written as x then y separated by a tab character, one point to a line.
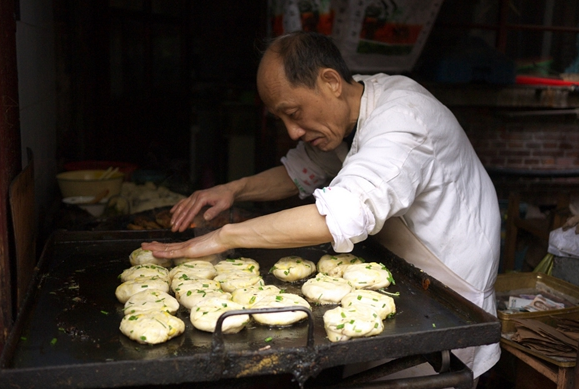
347	218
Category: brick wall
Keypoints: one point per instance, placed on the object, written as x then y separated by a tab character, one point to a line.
526	143
548	143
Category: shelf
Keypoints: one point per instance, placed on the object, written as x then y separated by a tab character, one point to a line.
510	96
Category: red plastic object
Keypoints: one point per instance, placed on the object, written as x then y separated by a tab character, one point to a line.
533	80
124	167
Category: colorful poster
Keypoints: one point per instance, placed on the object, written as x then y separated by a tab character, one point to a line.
373	35
309	15
383	35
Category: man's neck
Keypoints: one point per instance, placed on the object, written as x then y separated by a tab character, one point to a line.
354	98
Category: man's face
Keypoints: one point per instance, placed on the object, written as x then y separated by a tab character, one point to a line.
316	116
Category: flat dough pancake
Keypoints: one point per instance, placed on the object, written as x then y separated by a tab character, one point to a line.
382	304
251	294
152	327
371	275
142	257
149	270
193	270
279	301
293	268
190	298
127	289
237	264
213	259
333	264
151	300
204	316
185	286
345	323
235	280
325	289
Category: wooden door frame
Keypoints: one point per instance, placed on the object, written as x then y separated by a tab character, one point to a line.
10	156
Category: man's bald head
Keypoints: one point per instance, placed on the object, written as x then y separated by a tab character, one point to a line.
303	54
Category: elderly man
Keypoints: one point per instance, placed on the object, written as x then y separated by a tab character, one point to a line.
381	156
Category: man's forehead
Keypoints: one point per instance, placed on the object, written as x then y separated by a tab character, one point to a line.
270	62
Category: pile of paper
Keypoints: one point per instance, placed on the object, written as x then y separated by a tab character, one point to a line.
532	303
560	341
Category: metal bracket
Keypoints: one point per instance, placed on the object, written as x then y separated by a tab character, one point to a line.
451	373
440	362
301	374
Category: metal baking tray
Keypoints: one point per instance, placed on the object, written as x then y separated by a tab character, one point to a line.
512	284
67	332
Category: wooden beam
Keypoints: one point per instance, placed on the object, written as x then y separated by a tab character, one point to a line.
10	156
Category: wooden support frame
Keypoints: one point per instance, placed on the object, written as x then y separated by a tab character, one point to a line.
10	156
563	377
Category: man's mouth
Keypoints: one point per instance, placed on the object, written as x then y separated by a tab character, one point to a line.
314	141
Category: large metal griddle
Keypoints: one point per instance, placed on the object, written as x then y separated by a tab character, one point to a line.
67	332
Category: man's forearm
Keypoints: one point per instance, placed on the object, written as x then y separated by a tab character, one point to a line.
295	227
269	185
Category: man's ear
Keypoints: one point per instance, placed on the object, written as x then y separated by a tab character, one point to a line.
331	79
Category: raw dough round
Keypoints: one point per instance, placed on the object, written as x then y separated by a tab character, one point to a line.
371	275
213	258
293	268
325	289
252	294
345	323
184	286
205	314
149	270
141	256
278	301
151	300
190	298
333	264
237	264
152	327
125	290
235	280
382	304
194	270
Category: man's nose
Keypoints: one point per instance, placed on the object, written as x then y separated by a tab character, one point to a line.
294	131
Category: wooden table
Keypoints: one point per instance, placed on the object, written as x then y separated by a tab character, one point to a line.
562	375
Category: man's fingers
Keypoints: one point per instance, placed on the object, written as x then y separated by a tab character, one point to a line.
170	253
160	250
180	208
210	214
182	220
177	206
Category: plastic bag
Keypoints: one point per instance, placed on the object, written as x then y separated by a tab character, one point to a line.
545	266
564	243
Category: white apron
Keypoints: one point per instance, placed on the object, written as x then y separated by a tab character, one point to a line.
398	238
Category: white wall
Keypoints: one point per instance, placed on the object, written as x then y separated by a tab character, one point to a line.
37	95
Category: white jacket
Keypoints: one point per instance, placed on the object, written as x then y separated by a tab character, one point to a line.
410	158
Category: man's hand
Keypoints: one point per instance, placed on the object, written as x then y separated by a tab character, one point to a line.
218	198
197	247
573	221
